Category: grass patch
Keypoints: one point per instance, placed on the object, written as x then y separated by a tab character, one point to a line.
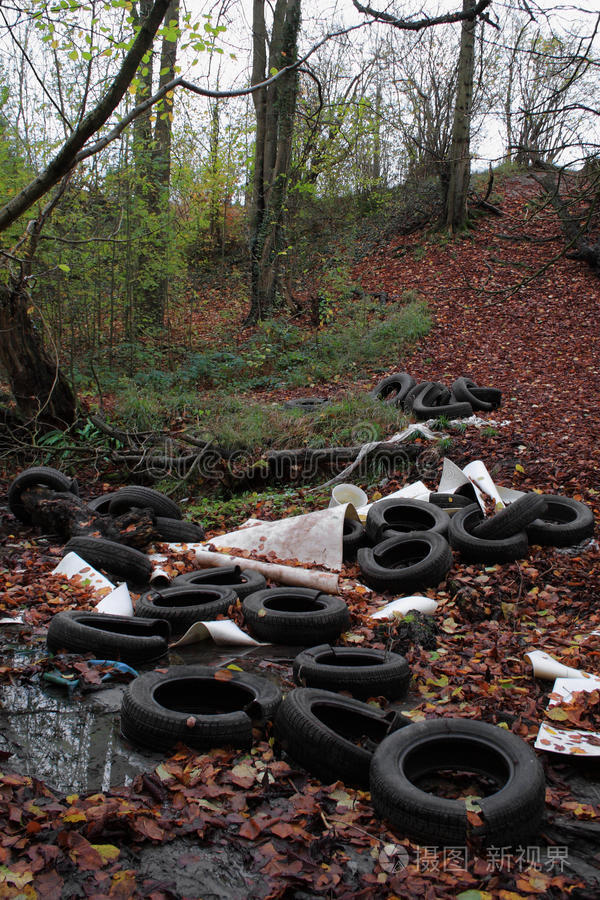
238	424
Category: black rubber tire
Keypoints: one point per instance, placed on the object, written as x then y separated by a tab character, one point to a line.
109	637
44	476
510	815
101	504
450	503
362	671
431	402
137	497
194	706
436	390
176	531
402	516
475	549
353	539
243	581
295	616
406	562
393	389
320	730
513	518
306	404
117	559
566	522
185	604
480	398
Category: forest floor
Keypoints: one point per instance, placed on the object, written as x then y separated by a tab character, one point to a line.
233	824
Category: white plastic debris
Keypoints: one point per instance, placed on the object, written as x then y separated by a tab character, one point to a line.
220	632
73	566
571	741
546	667
348	493
403	605
118	602
414	491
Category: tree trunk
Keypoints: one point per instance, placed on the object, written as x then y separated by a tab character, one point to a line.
153	177
68	516
460	160
275	108
41	391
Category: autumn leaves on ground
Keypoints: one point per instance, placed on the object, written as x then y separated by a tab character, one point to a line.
538	340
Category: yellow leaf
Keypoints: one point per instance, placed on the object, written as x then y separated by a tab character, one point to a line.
75	816
519	468
108	852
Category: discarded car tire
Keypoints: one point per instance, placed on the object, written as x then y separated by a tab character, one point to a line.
484	550
431	402
394	388
435	389
513	518
406	562
243	581
362	671
353	539
565	522
185	604
296	616
118	559
177	531
101	504
306	404
449	502
403	516
45	476
511	814
195	706
480	398
137	497
109	637
333	737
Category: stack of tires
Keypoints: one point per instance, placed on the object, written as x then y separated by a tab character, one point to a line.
431	399
542	519
409	550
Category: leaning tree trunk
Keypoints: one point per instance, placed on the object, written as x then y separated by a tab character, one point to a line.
275	108
41	391
460	160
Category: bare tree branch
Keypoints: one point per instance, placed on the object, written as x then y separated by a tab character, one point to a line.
427	21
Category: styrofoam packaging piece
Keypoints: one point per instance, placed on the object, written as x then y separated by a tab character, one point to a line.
348	493
403	605
414	491
72	565
546	667
118	602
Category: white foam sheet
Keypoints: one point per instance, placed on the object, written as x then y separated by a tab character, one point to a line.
221	632
114	600
118	602
549	668
415	491
570	741
476	474
73	566
403	605
315	538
